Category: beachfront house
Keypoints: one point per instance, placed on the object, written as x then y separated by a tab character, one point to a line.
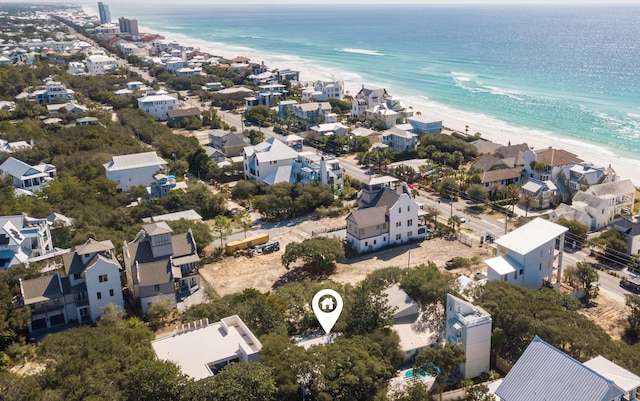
530	255
366	99
543	372
321	91
26	177
386	215
469	327
160	265
422	123
390	113
157	105
134	169
201	349
545	164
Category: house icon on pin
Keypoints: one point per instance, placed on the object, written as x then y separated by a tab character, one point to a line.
327	304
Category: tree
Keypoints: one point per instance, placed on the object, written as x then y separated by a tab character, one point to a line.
528	201
454	223
434	212
368	311
152	380
158	310
244	190
317	253
440	362
221	228
578	231
251	381
513	195
448	188
633	302
479	392
477	193
583	275
243	218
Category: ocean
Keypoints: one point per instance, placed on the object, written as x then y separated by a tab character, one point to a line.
562	71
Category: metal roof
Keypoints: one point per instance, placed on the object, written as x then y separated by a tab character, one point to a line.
624	379
546	373
531	236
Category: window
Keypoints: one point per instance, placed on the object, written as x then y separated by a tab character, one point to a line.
398	223
156	287
361	231
540	267
366	243
76	276
515	275
408	208
521	271
399	210
99	295
103	278
409	222
410	234
375	242
111	293
398	237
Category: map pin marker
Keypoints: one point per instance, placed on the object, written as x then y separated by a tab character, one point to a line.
327	306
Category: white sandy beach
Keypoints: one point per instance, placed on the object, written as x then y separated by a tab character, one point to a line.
489	128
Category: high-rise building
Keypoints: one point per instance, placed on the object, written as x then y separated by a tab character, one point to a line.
105	15
128	25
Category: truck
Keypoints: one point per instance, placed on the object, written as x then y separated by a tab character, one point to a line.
631	283
265	249
246	243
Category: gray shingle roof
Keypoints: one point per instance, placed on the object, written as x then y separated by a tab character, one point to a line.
41	289
371	216
546	373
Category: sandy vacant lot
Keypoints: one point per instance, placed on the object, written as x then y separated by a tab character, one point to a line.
234	274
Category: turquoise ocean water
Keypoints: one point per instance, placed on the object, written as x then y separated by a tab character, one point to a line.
572	71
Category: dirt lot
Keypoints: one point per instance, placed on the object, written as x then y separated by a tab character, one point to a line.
609	315
234	274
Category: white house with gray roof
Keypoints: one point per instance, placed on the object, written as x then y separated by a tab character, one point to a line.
387	215
90	281
26	177
400	140
134	169
527	256
157	105
269	161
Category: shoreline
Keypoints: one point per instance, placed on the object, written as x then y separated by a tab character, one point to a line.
625	165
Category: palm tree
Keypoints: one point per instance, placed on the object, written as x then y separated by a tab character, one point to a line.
454	222
513	194
434	213
528	201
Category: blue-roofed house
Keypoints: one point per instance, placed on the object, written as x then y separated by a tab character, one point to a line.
543	372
